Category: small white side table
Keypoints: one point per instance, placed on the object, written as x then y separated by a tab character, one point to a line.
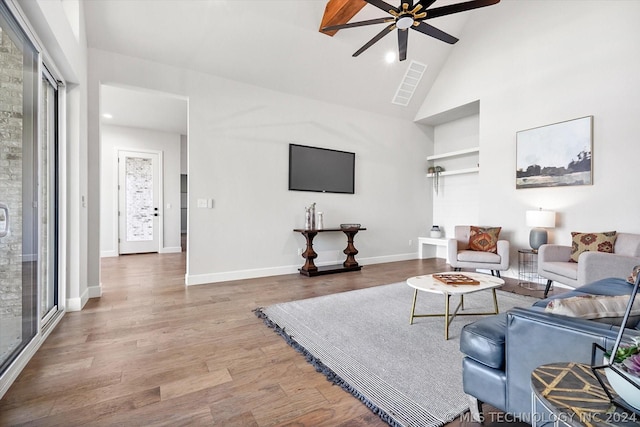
431	241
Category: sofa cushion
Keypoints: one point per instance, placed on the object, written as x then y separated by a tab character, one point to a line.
484	239
483	340
582	242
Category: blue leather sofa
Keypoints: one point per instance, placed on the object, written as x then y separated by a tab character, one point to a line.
502	350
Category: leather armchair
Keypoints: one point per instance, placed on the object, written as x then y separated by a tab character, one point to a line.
554	262
460	256
501	351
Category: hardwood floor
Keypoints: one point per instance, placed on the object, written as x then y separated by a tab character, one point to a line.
152	352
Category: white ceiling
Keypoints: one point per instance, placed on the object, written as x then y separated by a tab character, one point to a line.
270	43
143	109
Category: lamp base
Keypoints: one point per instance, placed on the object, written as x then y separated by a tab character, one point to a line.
537	238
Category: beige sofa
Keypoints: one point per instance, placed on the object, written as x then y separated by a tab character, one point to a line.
554	264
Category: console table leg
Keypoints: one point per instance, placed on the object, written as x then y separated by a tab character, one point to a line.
309	254
351	250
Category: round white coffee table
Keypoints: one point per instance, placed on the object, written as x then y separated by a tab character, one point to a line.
428	284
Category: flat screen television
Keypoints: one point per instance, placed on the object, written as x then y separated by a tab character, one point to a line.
321	169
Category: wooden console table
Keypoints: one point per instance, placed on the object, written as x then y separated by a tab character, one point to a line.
350	264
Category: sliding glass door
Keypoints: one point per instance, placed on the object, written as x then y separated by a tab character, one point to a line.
28	192
48	190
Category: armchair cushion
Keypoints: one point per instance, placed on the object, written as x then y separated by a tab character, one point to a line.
583	242
475	256
484	239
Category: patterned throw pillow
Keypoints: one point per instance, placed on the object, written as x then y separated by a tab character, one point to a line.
600	242
603	308
484	239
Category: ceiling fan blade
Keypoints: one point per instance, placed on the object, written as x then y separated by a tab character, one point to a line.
425	3
432	31
382	5
359	24
458	7
403	36
371	42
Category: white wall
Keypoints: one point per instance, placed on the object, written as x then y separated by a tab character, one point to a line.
238	156
66	45
537	63
116	138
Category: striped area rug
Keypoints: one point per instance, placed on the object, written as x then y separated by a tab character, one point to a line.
361	340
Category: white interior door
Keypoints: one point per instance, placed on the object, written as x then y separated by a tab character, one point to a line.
138	202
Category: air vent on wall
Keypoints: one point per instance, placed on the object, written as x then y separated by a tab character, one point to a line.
409	83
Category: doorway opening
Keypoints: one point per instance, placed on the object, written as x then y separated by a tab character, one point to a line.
143	138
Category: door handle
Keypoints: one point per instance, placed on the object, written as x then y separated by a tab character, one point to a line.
4	220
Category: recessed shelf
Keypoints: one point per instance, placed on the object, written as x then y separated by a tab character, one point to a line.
456	172
454	153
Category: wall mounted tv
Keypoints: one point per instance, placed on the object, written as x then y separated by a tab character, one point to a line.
321	169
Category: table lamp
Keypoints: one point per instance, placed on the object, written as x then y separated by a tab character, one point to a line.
539	220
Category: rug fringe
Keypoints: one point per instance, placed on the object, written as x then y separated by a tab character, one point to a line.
322	368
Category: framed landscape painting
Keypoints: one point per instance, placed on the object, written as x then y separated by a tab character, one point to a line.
555	155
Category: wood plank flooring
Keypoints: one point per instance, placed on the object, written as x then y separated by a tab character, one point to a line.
152	352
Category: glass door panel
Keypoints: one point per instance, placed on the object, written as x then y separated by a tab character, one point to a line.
18	195
48	282
138	206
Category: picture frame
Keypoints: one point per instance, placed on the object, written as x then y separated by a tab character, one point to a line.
555	155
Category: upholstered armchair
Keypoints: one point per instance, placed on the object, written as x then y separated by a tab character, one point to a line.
555	263
461	255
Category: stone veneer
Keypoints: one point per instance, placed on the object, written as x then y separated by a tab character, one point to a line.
11	115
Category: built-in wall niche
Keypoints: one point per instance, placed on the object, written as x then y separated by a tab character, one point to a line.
456	148
454	162
456	144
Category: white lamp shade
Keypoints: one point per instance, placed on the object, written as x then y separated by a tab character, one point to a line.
541	219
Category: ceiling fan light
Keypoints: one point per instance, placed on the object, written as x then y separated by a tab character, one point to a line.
390	57
404	23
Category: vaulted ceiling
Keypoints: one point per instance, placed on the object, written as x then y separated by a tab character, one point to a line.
274	44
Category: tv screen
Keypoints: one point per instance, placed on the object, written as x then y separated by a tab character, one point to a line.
321	169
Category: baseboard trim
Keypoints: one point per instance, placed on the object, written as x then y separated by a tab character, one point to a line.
203	279
109	254
94	291
171	250
76	304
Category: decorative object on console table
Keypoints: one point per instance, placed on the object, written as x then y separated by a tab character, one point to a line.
539	220
623	379
435	232
350	264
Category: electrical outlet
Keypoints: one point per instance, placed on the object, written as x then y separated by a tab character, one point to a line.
410	242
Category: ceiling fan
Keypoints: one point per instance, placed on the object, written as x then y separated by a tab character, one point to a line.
409	15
